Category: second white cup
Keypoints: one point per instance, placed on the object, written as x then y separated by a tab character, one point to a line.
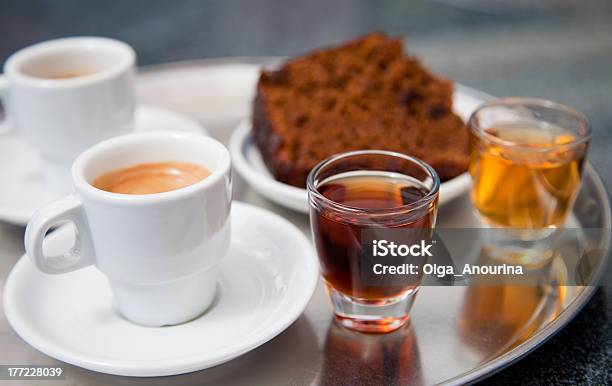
161	251
65	95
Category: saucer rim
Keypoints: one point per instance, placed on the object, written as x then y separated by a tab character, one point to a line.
181	365
19	217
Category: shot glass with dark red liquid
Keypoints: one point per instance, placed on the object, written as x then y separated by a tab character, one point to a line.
362	200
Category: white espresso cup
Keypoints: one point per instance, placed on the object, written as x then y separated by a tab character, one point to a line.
161	251
67	94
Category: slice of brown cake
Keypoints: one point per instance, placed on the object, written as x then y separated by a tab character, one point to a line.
364	94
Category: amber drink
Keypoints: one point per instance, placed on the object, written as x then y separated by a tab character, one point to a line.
526	163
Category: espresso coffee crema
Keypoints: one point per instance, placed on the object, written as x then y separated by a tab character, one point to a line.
69	74
150	178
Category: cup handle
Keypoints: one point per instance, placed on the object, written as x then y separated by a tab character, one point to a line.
68	209
5	125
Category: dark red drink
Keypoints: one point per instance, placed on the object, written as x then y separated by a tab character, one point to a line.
344	242
372	214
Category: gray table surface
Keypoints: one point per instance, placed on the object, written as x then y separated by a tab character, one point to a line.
559	50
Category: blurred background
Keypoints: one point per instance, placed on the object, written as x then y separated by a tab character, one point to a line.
556	49
560	50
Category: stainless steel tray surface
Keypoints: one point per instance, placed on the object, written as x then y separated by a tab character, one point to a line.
456	334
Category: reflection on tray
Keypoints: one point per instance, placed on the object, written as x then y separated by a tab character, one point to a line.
359	359
496	319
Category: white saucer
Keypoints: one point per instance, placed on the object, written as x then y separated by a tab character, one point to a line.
249	163
266	281
23	189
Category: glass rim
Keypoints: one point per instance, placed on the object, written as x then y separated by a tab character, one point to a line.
481	132
425	200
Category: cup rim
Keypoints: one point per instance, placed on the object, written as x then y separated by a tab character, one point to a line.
85	187
12	65
481	132
433	193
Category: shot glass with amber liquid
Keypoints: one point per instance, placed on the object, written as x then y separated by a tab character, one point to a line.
526	163
356	200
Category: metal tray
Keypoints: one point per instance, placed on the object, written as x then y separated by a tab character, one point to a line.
451	340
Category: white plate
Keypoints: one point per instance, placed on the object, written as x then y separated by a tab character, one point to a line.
23	189
266	281
249	163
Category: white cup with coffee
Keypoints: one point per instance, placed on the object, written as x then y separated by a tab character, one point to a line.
160	246
67	94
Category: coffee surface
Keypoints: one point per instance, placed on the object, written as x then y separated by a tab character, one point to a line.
149	178
67	74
